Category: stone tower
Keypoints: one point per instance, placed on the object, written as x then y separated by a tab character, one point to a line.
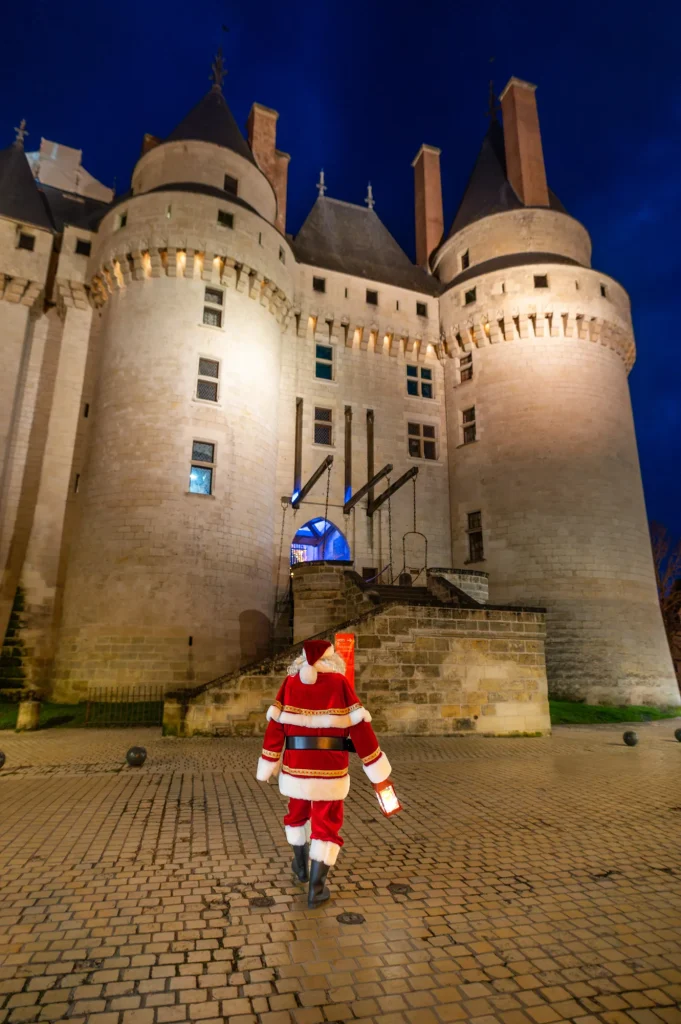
545	485
170	578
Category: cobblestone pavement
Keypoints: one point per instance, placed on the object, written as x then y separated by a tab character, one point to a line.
529	881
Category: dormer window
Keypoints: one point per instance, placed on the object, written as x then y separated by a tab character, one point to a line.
26	241
319	284
83	247
465	260
372	297
231	185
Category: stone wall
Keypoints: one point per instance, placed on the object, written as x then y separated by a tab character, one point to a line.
421	670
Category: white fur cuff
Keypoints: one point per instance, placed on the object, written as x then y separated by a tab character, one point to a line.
296	835
314	789
266	769
325	851
379	770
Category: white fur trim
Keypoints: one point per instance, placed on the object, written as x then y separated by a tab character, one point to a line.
314	789
325	721
308	674
273	712
325	851
266	769
296	835
379	770
331	662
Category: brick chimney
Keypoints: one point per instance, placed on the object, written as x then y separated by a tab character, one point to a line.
427	202
522	141
262	137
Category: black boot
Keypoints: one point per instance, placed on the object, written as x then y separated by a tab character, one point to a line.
299	862
317	893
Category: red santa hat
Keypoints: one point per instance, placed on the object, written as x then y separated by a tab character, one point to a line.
314	652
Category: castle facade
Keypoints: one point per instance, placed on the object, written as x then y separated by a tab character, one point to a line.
176	367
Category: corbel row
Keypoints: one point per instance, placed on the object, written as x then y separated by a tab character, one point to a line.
477	332
147	263
20	290
71	295
379	338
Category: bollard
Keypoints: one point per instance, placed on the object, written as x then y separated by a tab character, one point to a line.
28	716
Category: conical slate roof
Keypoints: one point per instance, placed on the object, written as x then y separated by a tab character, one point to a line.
488	190
20	198
211	120
353	240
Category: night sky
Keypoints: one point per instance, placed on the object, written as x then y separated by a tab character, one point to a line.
360	85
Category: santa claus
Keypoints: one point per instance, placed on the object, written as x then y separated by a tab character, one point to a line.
315	721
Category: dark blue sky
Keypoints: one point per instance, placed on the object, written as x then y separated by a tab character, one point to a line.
360	85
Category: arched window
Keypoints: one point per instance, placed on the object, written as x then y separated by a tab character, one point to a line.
319	539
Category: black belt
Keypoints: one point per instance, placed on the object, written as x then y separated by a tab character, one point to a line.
319	743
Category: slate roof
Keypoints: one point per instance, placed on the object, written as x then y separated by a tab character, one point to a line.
68	208
353	240
211	120
20	198
488	190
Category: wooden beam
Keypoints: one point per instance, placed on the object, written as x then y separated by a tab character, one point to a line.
388	493
328	461
349	505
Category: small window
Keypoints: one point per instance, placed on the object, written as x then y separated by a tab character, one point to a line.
397	305
421	441
231	185
476	552
324	362
421	309
466	366
323	426
346	293
225	219
465	260
76	483
83	247
86	410
122	220
469	296
420	381
372	297
212	313
541	281
26	241
468	422
260	238
169	211
207	381
604	291
203	465
319	284
282	254
503	288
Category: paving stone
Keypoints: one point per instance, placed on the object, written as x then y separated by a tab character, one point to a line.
543	877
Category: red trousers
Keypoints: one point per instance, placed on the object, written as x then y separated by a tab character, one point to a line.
326	815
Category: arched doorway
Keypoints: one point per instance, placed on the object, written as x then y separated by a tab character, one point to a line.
319	539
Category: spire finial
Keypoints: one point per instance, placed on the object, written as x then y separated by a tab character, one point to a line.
21	133
370	197
321	186
218	71
492	101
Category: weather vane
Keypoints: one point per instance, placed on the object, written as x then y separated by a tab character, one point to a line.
21	132
218	68
321	186
370	197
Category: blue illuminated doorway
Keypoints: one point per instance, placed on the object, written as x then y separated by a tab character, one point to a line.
319	539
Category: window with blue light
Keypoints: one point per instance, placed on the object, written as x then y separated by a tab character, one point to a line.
202	468
324	362
420	381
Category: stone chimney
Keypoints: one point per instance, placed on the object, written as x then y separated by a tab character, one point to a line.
149	142
427	202
262	137
522	141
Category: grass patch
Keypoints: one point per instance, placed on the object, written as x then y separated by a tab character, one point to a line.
567	712
8	716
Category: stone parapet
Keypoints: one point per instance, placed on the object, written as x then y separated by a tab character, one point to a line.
421	670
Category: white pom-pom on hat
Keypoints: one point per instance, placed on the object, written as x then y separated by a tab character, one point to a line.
308	674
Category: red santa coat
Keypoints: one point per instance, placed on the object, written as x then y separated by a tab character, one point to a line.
327	707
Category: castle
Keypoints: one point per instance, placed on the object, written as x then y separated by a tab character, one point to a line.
174	363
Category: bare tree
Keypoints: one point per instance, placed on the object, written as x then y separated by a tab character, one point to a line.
667	559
